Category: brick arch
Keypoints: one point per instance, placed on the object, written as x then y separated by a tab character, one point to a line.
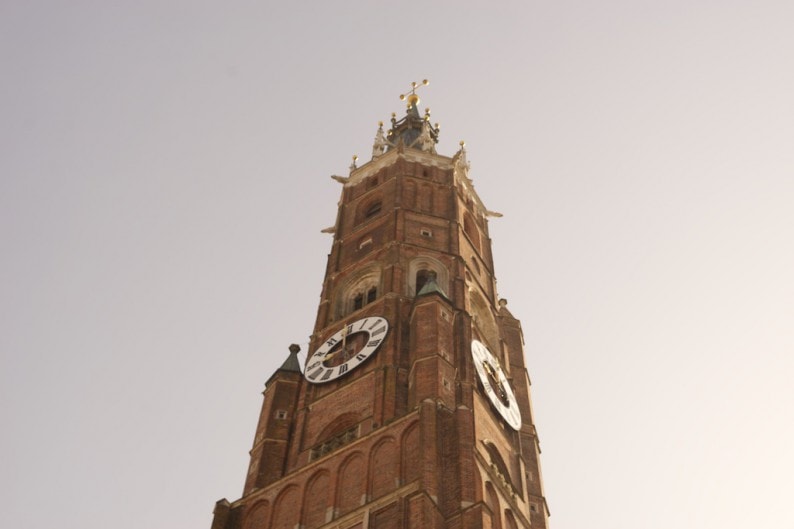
350	489
256	516
384	470
410	456
510	520
338	424
428	264
285	515
340	430
492	501
317	499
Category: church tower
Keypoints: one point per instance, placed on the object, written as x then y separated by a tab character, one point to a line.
412	410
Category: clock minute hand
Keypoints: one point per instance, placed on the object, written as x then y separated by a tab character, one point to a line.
331	355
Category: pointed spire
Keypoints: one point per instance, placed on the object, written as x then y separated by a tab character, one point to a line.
379	147
426	142
503	310
461	163
292	363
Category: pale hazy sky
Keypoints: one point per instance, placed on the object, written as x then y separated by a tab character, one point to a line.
164	178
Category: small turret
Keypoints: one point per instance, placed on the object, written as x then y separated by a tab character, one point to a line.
413	130
269	452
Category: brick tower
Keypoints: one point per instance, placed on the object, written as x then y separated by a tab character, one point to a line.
413	407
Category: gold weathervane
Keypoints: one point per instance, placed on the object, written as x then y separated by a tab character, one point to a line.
411	96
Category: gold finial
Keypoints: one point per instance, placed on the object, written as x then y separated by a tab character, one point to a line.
462	143
380	123
355	158
411	96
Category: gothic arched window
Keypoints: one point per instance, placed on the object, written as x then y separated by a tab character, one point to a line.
358	301
369	207
357	292
364	298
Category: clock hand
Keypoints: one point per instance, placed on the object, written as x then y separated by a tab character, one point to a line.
331	355
488	367
342	349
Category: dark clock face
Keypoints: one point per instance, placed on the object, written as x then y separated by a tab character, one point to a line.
346	350
495	384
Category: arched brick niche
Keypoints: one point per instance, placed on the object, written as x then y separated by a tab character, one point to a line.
256	517
317	499
384	471
350	490
411	456
285	515
492	501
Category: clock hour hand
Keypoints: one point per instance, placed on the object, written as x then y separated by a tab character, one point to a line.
342	349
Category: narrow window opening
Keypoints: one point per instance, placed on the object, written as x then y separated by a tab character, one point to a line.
426	232
372	294
358	301
373	210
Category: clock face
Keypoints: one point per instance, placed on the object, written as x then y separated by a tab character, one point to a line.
495	384
346	350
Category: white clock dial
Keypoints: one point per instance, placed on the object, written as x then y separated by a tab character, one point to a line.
346	350
495	384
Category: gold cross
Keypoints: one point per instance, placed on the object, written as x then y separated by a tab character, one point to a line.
413	99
